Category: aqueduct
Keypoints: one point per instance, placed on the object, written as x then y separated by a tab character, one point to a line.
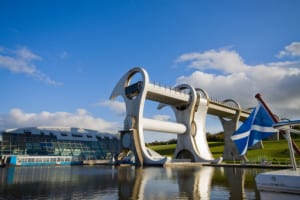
190	106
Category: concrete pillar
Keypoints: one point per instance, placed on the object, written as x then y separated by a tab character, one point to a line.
230	151
229	126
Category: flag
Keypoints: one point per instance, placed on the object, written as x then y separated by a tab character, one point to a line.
257	127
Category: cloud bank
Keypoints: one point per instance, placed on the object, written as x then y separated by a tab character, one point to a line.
21	60
117	107
81	119
290	50
225	75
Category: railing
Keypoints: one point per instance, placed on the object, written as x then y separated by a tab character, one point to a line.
185	92
134	89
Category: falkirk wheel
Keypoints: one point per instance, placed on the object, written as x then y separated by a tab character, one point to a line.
190	106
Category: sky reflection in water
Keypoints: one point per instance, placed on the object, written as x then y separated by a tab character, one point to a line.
127	182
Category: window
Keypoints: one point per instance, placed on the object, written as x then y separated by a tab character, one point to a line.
76	135
64	134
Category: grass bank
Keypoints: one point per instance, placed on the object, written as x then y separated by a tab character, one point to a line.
276	152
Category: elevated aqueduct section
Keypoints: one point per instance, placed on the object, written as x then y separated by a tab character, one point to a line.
190	105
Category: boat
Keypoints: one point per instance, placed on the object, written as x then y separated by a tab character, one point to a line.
20	160
281	184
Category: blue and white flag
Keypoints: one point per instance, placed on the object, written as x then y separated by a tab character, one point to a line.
257	127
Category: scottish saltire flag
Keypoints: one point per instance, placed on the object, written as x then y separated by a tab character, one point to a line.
258	126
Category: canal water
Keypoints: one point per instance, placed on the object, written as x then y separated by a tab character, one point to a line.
128	182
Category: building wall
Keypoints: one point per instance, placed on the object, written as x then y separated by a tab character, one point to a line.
29	143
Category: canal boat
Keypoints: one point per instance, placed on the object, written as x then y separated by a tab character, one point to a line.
20	160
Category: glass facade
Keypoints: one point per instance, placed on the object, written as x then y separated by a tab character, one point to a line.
48	144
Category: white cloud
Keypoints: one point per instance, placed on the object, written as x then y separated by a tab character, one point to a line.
278	82
227	61
292	50
16	118
25	54
116	106
21	61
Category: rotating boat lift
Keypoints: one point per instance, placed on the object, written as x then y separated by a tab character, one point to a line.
190	105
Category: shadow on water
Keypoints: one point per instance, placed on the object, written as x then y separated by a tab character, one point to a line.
127	182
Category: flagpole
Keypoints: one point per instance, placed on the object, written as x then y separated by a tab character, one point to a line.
289	139
259	98
286	133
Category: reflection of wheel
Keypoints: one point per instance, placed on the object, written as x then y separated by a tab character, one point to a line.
131	157
121	155
185	154
126	140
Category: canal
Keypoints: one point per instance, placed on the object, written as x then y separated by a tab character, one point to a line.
128	182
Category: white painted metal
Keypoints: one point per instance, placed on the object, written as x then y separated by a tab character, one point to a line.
163	126
190	109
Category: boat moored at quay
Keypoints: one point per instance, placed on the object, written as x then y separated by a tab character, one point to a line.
21	160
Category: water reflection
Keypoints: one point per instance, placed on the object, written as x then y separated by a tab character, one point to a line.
56	182
165	183
195	183
127	182
236	179
188	183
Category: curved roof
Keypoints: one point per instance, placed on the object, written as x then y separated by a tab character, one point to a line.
63	133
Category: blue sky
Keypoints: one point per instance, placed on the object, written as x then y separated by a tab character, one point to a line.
60	60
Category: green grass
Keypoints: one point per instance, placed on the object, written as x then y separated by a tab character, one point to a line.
166	150
275	151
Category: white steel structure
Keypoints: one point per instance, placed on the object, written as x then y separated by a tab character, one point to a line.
190	105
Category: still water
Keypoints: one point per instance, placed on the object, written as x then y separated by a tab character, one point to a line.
127	182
